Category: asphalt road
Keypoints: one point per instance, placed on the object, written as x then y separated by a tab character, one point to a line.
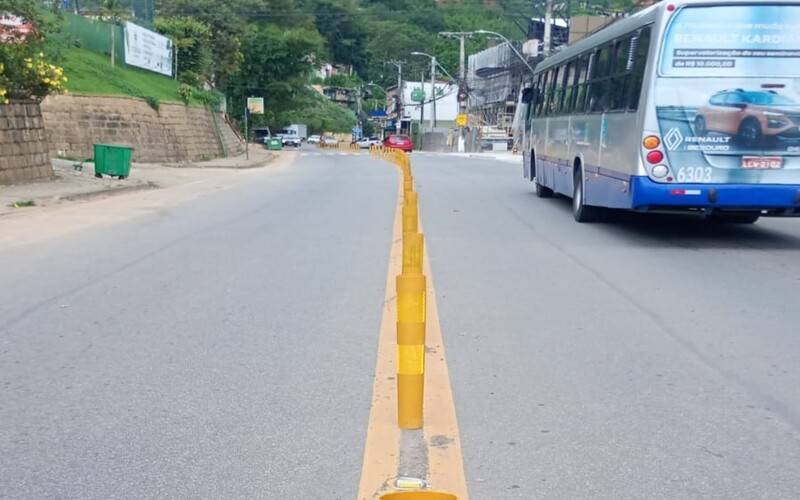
219	348
640	358
224	347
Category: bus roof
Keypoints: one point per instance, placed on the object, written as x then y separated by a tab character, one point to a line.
628	24
616	29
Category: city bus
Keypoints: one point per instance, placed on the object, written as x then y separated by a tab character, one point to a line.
686	106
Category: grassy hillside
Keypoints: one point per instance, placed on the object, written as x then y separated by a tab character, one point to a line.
91	73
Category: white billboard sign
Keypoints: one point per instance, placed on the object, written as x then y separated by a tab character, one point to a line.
147	49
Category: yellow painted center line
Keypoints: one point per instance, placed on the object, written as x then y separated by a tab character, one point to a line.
442	438
382	448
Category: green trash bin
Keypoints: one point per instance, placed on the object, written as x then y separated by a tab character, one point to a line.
112	159
274	144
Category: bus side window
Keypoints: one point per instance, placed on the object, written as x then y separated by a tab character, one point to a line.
551	90
640	45
587	67
566	88
540	95
620	82
598	89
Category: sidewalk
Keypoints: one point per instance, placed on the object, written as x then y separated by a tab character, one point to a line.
70	184
259	157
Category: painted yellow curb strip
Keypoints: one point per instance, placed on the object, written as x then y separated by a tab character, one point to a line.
382	448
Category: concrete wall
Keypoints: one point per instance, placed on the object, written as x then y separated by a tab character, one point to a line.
174	133
23	144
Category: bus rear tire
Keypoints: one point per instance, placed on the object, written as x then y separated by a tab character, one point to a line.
580	210
542	191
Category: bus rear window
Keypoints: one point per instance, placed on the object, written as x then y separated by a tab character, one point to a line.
733	41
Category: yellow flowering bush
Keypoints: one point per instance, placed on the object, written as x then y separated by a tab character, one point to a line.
25	75
3	90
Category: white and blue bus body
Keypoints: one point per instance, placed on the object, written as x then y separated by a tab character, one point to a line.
685	106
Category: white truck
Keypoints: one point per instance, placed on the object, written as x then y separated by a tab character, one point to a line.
298	129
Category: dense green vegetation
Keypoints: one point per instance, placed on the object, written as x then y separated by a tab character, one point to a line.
273	48
91	73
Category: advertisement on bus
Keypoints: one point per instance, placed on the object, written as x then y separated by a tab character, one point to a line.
728	94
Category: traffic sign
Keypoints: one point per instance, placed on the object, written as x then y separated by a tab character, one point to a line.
255	105
462	119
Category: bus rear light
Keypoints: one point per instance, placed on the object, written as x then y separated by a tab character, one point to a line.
651	142
654	157
671	7
685	192
660	171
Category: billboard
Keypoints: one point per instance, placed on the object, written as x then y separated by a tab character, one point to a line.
728	96
148	50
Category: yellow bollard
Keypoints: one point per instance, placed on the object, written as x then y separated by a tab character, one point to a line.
410	349
410	213
413	248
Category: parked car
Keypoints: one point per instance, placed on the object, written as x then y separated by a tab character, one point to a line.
314	139
368	142
292	140
329	140
402	142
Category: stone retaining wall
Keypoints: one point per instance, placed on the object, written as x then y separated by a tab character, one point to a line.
23	144
174	133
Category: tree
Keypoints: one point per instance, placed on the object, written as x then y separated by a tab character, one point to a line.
193	40
344	33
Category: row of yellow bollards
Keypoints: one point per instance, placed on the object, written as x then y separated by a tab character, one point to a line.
411	310
411	290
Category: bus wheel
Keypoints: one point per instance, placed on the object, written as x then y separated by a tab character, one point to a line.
542	191
581	211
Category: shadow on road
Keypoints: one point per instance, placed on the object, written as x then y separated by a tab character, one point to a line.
688	230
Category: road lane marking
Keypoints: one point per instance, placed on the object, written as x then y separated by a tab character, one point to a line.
382	448
441	435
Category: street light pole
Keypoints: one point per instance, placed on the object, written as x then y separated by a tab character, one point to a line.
433	92
511	45
399	65
433	86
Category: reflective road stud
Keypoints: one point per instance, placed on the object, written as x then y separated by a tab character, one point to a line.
410	349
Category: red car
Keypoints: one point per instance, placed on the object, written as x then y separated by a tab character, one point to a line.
399	142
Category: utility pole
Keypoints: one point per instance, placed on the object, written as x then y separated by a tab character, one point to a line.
462	79
433	92
421	107
462	36
399	65
548	20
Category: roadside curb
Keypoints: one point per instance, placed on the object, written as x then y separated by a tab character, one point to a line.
45	201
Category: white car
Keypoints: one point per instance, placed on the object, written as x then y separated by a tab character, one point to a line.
291	140
314	139
329	140
368	142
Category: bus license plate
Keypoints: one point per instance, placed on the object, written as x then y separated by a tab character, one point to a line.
762	162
